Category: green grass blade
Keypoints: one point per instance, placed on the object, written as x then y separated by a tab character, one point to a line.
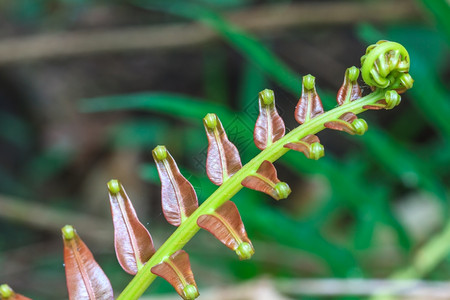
182	107
411	170
440	9
252	49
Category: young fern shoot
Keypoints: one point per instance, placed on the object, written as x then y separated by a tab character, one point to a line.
385	68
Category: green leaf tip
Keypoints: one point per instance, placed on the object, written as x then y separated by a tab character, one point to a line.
160	153
68	232
210	120
392	99
267	96
309	82
190	292
360	126
245	251
407	81
316	151
283	190
6	291
352	73
113	186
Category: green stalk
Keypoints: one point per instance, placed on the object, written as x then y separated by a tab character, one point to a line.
229	188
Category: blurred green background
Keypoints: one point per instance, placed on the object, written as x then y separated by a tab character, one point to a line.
89	88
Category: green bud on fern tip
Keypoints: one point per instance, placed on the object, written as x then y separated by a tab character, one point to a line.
6	291
407	81
190	292
352	73
113	186
309	82
283	190
392	99
160	152
360	126
316	151
210	120
245	251
68	232
267	96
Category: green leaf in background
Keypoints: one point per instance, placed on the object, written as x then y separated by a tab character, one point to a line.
252	82
215	75
18	133
441	157
248	46
302	235
251	48
226	3
440	10
139	133
48	163
413	171
351	191
12	185
183	107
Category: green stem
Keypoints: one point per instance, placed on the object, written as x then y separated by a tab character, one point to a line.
229	188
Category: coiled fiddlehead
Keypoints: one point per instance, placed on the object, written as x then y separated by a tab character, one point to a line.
386	65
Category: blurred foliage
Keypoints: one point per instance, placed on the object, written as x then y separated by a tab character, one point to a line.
346	213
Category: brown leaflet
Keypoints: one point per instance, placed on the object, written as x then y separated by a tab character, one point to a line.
18	297
177	271
309	145
391	100
132	241
265	180
178	197
344	123
223	158
309	104
349	123
85	279
226	225
350	90
6	293
381	104
269	126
